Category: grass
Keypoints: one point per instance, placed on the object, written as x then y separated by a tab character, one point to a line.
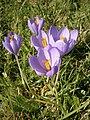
67	94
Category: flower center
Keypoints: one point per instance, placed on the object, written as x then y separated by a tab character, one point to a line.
11	38
62	38
44	42
47	64
36	21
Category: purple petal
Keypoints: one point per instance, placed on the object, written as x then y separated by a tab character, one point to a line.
41	23
34	41
30	22
53	71
51	41
54	56
62	46
18	40
14	46
35	28
53	31
74	34
71	46
33	61
48	47
7	40
64	32
8	47
43	55
40	74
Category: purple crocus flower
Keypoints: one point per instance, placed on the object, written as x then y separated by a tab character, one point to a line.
35	25
47	62
40	41
12	43
62	39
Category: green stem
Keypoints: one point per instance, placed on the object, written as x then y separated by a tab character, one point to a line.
23	77
20	69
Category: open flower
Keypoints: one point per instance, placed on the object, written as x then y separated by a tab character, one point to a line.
62	39
40	41
35	25
46	62
12	43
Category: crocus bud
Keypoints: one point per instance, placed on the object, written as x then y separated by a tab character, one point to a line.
12	43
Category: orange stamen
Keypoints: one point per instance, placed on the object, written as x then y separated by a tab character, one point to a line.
47	64
62	38
44	42
36	21
11	38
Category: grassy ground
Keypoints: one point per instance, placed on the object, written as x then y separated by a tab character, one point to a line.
41	99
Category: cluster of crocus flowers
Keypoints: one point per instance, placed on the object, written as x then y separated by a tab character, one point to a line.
51	46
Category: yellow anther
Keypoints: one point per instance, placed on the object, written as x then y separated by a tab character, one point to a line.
62	37
11	38
44	42
36	21
47	64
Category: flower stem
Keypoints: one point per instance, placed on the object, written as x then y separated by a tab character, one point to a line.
23	77
20	69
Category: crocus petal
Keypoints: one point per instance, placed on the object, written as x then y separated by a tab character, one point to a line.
18	40
8	47
41	23
40	74
62	46
64	32
35	28
14	46
53	31
43	55
51	41
48	47
33	61
74	34
54	56
30	22
7	40
34	41
53	71
71	46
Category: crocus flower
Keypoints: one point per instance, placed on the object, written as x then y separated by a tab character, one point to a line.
47	62
62	39
35	25
40	41
12	43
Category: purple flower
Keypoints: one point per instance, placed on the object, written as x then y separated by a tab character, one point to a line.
12	43
35	25
40	41
62	39
46	62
